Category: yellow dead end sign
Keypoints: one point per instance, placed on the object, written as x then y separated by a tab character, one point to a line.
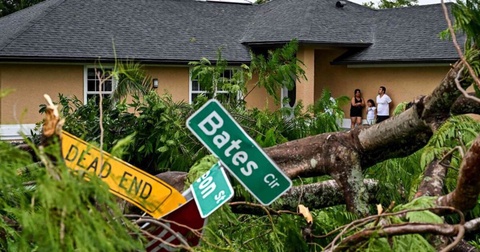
148	192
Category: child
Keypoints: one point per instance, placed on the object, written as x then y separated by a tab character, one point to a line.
371	109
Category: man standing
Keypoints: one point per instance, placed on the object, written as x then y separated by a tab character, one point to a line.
383	105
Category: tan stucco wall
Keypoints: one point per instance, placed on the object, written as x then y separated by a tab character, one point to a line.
30	82
175	81
402	83
171	80
306	87
258	97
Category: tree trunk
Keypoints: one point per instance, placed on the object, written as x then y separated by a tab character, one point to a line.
344	155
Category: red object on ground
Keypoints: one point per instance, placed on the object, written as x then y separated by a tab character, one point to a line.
188	215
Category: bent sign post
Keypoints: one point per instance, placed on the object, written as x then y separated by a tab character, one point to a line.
245	160
148	192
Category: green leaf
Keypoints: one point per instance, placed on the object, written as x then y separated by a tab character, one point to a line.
424	216
163	149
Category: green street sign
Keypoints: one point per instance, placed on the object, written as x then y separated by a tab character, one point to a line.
245	160
211	190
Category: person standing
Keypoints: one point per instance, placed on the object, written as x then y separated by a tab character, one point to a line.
356	105
383	105
371	109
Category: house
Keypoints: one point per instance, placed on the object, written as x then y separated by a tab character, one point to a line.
52	47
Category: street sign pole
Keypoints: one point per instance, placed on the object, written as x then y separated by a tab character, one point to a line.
240	154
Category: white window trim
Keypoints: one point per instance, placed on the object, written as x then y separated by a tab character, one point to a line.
190	85
85	80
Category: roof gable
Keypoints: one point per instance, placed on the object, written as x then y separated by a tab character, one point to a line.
406	35
310	21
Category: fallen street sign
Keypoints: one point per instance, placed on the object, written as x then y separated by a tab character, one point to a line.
187	217
126	181
211	190
245	160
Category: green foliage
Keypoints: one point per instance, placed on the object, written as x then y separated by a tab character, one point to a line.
162	140
84	120
400	108
408	242
199	168
467	19
67	214
456	132
131	80
159	139
398	178
385	4
420	216
242	232
214	78
329	219
412	242
279	68
327	111
11	6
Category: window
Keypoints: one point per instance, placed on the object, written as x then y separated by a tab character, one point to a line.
92	83
222	95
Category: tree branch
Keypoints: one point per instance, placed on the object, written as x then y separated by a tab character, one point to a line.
400	229
433	178
465	195
314	196
457	47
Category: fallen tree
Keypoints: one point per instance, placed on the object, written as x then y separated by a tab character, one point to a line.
345	156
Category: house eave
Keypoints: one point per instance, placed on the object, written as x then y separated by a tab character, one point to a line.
308	42
89	60
395	62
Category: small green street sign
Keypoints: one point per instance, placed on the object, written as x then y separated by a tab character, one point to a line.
245	160
211	190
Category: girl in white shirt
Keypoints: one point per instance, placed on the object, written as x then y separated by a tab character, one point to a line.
371	109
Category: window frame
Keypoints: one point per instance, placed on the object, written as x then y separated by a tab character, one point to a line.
191	92
86	91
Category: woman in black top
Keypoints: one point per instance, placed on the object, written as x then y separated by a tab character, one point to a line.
356	108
